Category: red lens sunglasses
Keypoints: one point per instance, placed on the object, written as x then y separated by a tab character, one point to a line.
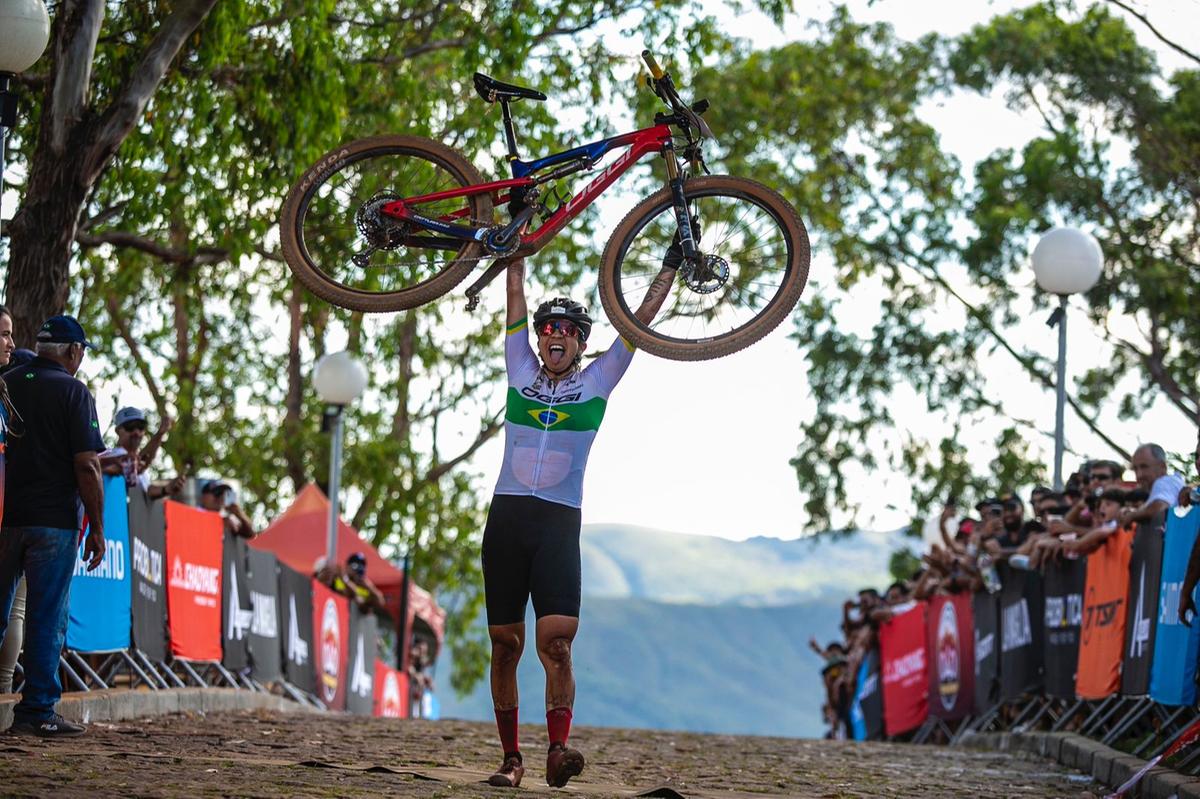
564	326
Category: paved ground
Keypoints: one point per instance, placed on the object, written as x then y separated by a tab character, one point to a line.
267	754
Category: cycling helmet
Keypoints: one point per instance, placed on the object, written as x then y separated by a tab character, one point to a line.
565	308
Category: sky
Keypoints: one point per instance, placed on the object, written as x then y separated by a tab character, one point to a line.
703	447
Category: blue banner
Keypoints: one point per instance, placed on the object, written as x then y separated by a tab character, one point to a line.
1172	676
100	600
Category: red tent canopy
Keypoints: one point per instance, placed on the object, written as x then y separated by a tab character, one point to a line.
298	537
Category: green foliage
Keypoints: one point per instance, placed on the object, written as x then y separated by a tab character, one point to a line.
903	564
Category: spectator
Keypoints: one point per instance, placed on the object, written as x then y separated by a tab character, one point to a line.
420	677
218	496
52	466
11	647
1190	495
359	587
1150	467
130	458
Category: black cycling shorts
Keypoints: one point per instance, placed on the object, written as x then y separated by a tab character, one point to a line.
530	547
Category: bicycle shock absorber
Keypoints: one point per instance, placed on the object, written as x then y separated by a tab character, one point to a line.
675	182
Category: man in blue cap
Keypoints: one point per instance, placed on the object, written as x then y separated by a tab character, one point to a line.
53	465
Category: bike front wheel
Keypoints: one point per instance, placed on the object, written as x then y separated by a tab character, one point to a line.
752	267
346	251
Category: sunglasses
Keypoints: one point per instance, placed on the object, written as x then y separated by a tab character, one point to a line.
1102	477
564	326
135	426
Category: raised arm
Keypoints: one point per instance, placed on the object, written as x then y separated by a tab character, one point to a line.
656	295
146	456
517	308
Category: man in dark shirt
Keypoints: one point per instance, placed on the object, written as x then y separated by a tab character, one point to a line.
52	465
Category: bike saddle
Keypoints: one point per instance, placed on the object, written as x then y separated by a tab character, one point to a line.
492	90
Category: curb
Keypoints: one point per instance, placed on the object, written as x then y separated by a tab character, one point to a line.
1106	765
122	704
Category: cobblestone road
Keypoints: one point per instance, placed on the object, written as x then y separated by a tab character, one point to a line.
265	754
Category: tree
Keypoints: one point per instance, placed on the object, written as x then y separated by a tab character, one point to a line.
904	226
160	234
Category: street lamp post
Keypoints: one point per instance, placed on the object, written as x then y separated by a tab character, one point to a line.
340	380
24	33
1066	261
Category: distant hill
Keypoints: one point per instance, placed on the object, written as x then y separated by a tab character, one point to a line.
625	562
684	632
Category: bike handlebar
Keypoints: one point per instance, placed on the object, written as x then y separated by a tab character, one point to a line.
655	70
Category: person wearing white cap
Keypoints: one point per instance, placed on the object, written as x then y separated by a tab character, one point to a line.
132	459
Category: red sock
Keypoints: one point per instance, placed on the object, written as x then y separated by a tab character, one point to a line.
558	724
506	723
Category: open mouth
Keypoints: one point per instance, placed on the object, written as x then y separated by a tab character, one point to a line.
556	354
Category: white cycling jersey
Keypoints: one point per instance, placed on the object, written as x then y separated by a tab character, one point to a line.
549	427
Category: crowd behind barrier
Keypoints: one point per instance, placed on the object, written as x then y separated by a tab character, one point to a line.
178	599
1068	621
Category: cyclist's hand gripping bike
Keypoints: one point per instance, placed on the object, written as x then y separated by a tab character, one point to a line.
393	222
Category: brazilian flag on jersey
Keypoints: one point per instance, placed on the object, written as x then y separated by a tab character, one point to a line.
581	417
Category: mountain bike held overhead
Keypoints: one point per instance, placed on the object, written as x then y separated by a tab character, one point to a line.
393	222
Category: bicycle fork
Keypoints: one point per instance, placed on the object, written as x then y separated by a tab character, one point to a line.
687	242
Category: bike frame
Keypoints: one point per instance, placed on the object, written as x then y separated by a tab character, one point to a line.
656	139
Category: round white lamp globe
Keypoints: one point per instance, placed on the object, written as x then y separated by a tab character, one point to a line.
1067	261
339	378
24	33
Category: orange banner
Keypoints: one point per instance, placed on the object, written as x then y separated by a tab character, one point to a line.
194	585
391	692
1102	634
331	625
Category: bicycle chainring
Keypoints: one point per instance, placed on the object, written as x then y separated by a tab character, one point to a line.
506	248
708	273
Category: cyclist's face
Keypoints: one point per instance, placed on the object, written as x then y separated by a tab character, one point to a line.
558	350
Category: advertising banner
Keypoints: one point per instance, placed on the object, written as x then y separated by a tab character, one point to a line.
331	623
1145	574
148	542
985	611
360	693
1176	646
194	584
296	632
1022	610
950	643
904	667
264	624
1064	583
1102	635
866	711
391	692
236	614
99	601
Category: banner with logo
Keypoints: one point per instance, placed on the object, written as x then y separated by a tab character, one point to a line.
264	624
1145	573
866	711
904	667
236	613
1022	611
1102	635
194	585
148	542
391	692
99	601
360	691
985	612
296	630
950	643
1176	646
1063	582
331	623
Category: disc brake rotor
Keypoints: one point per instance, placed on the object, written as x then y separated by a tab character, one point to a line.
706	274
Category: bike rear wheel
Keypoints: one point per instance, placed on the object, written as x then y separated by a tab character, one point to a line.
345	251
754	265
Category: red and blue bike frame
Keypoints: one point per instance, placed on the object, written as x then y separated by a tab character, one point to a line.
656	139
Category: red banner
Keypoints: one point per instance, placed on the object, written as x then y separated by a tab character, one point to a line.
1102	634
951	642
331	625
905	670
194	586
391	692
